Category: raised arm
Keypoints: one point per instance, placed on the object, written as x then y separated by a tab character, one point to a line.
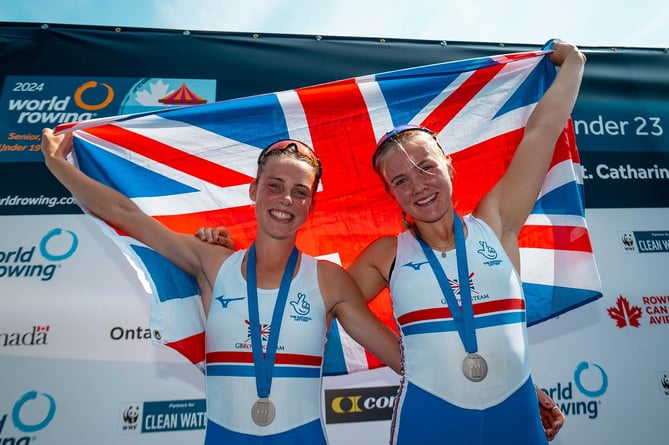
507	206
117	210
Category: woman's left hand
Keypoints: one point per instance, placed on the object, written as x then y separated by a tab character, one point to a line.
552	417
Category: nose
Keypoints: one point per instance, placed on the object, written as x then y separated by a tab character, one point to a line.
417	184
285	199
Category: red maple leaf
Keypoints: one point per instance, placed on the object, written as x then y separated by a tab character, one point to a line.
625	314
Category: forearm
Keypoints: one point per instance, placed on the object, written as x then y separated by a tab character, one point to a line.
554	109
515	194
97	198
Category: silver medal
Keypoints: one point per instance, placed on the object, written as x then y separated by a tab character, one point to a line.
474	367
263	412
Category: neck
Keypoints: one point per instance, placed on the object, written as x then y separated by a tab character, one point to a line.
440	235
271	259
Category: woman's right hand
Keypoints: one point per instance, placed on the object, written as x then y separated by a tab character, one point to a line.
55	146
216	235
562	50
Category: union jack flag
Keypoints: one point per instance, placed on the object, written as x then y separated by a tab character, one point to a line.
264	332
190	167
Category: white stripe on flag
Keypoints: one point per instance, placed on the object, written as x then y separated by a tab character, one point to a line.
559	268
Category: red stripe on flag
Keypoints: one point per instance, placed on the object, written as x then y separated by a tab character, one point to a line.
180	160
240	221
495	154
444	113
563	149
190	347
342	135
555	238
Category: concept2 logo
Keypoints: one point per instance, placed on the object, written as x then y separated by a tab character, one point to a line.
56	246
591	381
40	408
359	404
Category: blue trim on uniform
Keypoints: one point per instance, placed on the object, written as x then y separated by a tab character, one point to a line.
308	434
249	371
427	419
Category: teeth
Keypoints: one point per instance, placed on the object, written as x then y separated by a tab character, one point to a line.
280	215
425	201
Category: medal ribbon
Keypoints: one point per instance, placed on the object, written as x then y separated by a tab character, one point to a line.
463	315
264	364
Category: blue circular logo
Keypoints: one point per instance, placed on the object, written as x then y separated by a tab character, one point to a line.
27	427
583	366
57	257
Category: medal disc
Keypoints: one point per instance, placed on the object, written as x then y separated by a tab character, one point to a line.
263	412
474	367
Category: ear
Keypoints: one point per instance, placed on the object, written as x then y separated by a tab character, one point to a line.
449	166
253	189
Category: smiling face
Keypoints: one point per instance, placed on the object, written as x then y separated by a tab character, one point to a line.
418	175
283	194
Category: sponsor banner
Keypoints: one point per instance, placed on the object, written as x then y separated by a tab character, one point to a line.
22	421
640	312
583	394
663	381
621	125
30	103
37	258
28	188
162	416
52	268
359	404
617	179
645	241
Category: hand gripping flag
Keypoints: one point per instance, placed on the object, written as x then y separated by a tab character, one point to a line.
190	167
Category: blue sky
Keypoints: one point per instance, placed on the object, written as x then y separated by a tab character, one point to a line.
640	23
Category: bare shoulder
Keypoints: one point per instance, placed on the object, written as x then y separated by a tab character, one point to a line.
336	284
378	253
383	244
329	272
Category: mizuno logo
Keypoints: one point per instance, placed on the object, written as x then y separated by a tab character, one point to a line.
414	266
225	301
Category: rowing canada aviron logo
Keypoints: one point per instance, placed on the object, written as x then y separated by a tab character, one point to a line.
627	314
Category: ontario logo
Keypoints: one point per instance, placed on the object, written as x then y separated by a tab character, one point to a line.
32	412
581	396
39	261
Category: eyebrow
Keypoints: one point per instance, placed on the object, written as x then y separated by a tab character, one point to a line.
283	181
419	165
